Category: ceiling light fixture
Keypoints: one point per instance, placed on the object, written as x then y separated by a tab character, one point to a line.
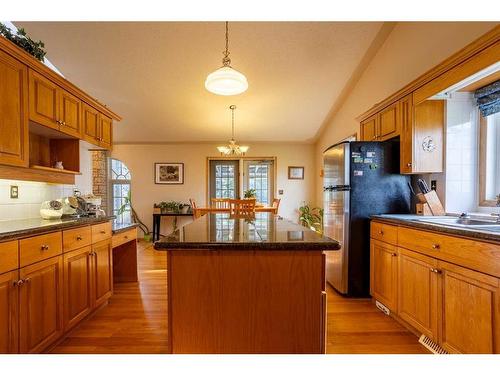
233	148
226	80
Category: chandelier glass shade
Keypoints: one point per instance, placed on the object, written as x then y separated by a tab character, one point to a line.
232	148
226	80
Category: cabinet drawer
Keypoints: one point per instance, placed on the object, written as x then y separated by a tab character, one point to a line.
76	238
480	256
101	232
9	256
123	237
384	232
35	249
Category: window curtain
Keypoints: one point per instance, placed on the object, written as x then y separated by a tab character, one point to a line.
488	99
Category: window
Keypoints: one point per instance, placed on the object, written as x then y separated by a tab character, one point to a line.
259	176
489	159
120	191
224	178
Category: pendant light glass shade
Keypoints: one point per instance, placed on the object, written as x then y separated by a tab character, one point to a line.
232	148
226	81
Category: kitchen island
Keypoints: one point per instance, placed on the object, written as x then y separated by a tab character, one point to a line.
240	285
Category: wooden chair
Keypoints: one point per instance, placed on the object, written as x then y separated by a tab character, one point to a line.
220	202
242	207
194	208
276	205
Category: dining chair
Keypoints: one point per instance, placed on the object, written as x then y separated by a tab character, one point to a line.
194	208
242	207
220	202
276	205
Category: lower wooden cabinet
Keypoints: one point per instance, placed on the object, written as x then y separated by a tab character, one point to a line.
470	310
102	262
418	292
40	305
384	272
78	286
9	319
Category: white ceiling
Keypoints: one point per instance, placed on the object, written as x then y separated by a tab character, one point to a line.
153	74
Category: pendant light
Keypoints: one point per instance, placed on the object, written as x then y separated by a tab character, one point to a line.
233	148
226	80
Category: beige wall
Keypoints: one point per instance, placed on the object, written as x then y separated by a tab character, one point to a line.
409	51
140	159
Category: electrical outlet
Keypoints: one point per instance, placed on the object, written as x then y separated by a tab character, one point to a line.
433	184
14	191
280	192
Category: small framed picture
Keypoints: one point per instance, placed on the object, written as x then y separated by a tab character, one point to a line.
295	173
169	173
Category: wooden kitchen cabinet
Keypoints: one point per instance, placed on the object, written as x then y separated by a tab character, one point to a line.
14	147
388	122
102	263
418	292
70	113
470	310
106	131
78	286
369	129
384	273
43	101
41	305
9	319
91	126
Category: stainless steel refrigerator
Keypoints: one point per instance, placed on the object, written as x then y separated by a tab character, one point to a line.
360	179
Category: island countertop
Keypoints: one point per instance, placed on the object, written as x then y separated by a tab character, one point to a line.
218	231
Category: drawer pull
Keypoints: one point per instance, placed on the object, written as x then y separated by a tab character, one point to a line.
126	237
44	247
103	232
394	255
79	238
381	232
435	246
435	270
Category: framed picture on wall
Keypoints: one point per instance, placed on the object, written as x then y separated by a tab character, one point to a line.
169	173
295	173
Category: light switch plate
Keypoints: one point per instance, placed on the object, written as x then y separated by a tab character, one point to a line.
14	191
280	192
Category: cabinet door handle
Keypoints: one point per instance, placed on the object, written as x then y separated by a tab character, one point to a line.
408	165
44	247
27	280
381	232
435	270
435	246
64	123
126	237
18	282
394	255
79	238
103	232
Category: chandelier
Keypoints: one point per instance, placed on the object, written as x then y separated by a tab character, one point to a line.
232	148
226	80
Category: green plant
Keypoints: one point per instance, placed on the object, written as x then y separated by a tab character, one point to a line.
127	202
311	217
250	193
24	41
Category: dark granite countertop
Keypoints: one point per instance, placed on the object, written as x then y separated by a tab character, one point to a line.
122	227
413	221
218	231
13	229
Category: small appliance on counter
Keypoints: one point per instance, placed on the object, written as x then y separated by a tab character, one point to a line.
93	205
51	210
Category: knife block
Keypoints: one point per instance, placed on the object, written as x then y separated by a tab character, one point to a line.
429	204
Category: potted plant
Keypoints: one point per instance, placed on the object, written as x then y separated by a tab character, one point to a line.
250	194
311	217
127	202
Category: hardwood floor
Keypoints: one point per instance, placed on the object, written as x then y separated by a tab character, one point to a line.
135	321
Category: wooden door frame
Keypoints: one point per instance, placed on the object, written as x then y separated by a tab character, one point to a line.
274	159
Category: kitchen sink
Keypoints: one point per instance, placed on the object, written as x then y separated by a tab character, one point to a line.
462	222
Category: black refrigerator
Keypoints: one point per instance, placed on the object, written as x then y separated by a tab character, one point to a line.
360	179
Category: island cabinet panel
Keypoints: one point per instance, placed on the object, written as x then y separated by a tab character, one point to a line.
78	281
223	301
41	305
470	309
102	263
14	145
9	319
418	292
384	273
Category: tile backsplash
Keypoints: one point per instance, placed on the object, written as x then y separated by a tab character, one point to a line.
32	194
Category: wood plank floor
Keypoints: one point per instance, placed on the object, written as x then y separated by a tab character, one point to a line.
135	320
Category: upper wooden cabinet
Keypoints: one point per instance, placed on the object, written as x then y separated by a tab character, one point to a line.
106	129
43	100
381	126
97	127
70	113
369	129
14	145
